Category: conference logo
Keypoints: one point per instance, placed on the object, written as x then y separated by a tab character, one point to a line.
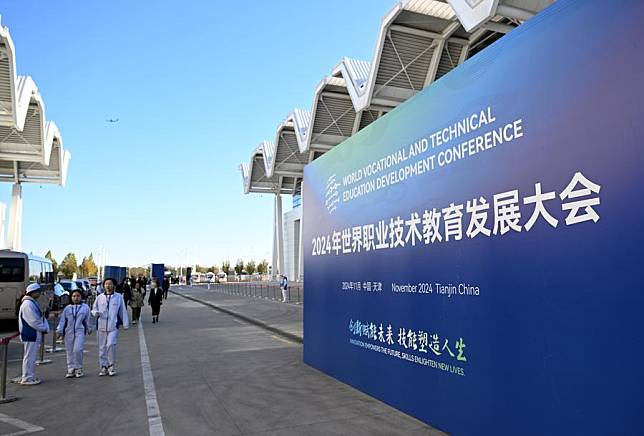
332	195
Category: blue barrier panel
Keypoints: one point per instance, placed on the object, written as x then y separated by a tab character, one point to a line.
473	257
157	270
114	272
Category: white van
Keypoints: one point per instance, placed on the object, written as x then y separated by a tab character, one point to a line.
17	271
221	277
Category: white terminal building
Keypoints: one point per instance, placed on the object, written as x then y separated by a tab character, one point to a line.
31	147
418	42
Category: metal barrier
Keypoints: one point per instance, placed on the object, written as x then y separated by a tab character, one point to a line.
4	343
53	348
264	290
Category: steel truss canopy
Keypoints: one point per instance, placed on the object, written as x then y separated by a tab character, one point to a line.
31	148
419	41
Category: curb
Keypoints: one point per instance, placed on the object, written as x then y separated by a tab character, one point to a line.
286	335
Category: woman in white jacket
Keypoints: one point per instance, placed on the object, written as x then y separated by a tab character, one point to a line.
109	308
73	326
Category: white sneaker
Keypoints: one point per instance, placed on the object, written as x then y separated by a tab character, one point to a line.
30	382
79	373
111	371
103	371
70	373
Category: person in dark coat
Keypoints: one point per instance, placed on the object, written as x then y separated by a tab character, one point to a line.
155	300
166	287
127	291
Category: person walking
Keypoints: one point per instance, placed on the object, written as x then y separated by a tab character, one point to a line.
166	287
32	325
137	302
127	291
73	326
111	313
155	300
284	287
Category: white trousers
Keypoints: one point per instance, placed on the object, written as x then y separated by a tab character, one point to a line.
29	358
106	347
74	347
284	295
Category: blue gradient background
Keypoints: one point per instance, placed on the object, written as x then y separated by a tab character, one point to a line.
554	342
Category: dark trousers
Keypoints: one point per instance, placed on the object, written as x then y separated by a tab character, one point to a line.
156	308
165	294
136	313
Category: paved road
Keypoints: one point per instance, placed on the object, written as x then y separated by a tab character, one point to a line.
214	375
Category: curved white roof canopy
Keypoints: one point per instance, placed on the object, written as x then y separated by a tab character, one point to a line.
26	137
255	178
419	41
36	172
284	157
332	116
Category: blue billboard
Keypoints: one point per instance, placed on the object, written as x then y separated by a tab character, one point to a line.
472	258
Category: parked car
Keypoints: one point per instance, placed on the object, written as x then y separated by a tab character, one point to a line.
60	298
68	285
221	277
83	285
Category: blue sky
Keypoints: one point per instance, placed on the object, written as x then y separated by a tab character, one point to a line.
196	85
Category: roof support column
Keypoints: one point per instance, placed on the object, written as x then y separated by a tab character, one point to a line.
15	219
3	223
300	266
280	234
278	238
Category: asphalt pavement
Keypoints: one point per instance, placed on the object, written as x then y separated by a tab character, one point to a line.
206	372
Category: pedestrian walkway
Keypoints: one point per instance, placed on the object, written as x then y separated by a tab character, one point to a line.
212	373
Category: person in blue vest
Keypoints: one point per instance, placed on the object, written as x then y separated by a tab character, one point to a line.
73	326
32	324
284	287
111	313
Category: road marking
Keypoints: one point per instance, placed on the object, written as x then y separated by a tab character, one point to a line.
154	414
24	427
282	340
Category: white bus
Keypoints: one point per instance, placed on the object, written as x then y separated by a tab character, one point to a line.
17	271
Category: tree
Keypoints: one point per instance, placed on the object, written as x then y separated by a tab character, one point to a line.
225	267
213	269
239	266
250	267
88	267
54	264
201	269
69	266
92	268
262	267
136	271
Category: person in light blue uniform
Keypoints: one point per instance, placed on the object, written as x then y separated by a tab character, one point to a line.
111	313
32	325
73	326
